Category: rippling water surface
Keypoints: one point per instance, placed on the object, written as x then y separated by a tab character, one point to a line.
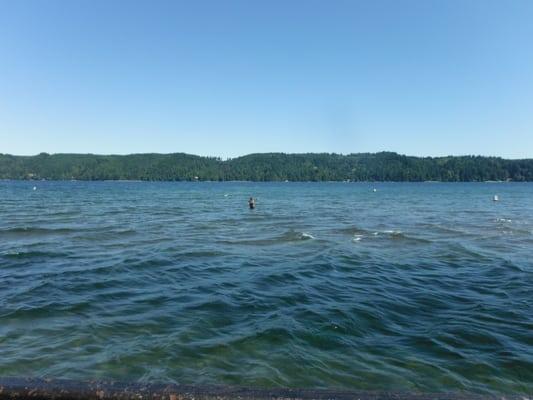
423	286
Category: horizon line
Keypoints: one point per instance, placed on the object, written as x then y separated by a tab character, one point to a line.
264	153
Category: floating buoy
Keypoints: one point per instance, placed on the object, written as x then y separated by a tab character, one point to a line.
495	198
374	190
35	188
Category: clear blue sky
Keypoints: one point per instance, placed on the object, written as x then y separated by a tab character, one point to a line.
226	78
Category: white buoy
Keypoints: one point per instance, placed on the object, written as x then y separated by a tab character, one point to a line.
495	198
35	188
374	190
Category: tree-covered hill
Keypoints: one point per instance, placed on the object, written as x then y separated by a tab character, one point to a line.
385	166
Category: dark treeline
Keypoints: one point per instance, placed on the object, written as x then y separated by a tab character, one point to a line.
383	166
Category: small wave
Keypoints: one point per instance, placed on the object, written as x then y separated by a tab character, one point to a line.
105	234
34	231
200	254
351	231
444	229
120	232
506	226
32	254
398	235
504	220
457	252
291	236
357	238
287	237
393	232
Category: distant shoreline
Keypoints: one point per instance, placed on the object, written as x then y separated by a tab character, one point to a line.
280	182
266	167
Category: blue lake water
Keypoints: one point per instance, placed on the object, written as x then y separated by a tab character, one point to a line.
417	286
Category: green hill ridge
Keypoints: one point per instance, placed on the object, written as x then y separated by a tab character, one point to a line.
384	166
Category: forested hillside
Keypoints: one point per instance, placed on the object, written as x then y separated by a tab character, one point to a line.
385	166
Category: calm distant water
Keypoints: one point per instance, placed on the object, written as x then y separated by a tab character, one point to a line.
424	286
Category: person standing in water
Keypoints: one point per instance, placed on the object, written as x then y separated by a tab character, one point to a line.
251	203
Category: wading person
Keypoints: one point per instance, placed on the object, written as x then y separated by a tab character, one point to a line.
251	203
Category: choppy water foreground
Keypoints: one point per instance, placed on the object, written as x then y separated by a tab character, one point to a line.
412	287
